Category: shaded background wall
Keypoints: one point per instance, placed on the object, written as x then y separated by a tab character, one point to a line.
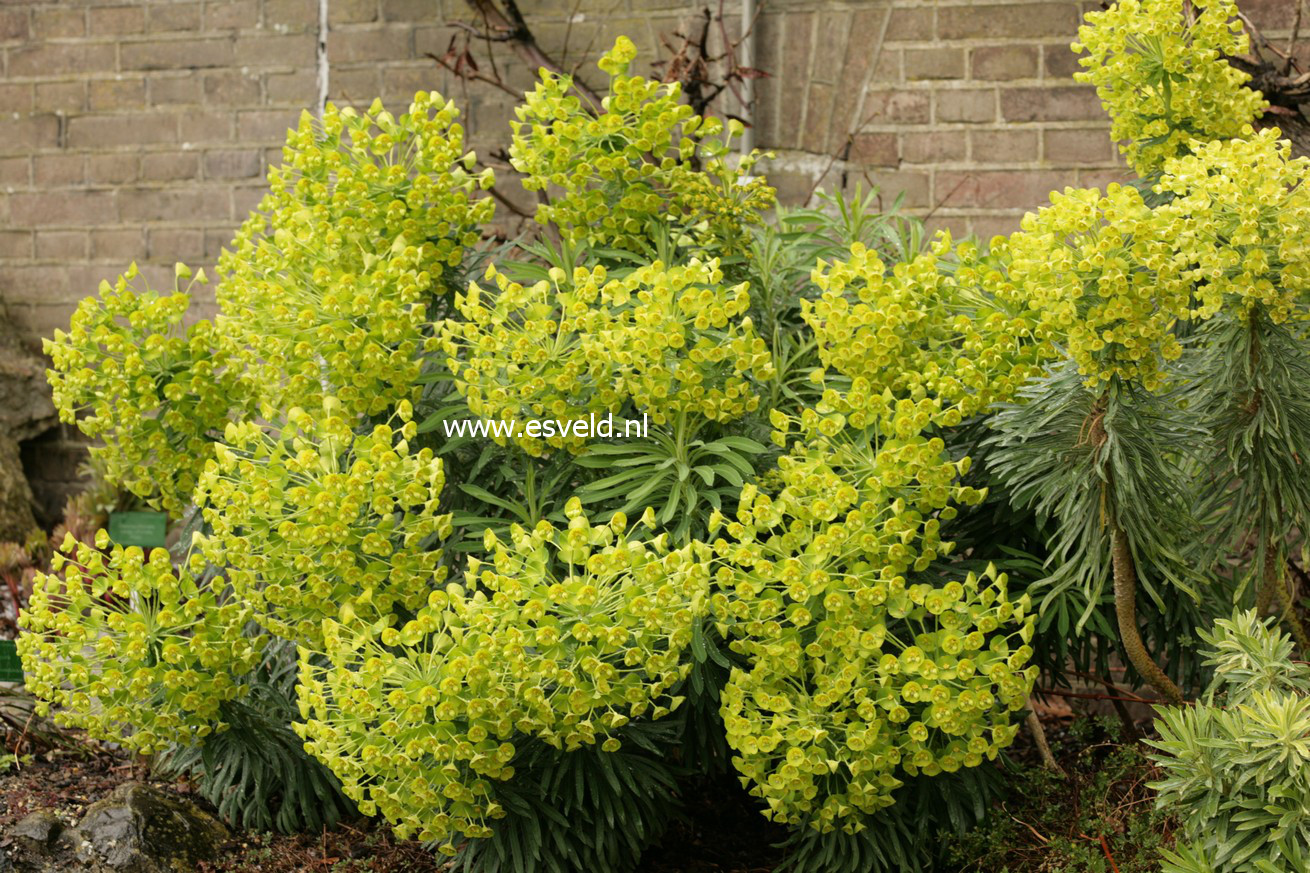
141	129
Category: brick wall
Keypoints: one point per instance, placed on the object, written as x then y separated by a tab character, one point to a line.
140	129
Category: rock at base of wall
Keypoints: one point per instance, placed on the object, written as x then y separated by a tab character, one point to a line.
16	519
136	829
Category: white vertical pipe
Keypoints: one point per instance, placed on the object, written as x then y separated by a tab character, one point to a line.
748	85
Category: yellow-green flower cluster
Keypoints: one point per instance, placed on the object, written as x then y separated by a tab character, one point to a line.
683	343
129	373
930	341
533	351
131	649
328	286
672	340
1236	223
857	674
1160	71
643	159
1104	281
317	522
569	634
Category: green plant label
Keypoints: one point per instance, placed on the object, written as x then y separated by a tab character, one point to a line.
144	529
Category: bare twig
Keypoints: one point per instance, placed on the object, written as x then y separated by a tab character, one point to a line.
509	22
1291	42
691	63
460	61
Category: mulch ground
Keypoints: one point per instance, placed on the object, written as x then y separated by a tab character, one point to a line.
721	832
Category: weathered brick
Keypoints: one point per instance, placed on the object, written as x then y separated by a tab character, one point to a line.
1085	178
818	117
53	59
792	185
112	169
174	90
404	82
987	226
173	16
61	244
797	40
191	203
39	209
997	188
1003	62
29	132
912	184
911	24
31	284
175	244
360	84
958	226
407	10
1070	147
116	20
233	164
972	106
352	11
1050	104
934	63
15	98
16	171
14	24
232	14
58	22
231	88
1059	61
245	200
898	107
61	96
137	128
116	241
865	25
283	50
930	147
216	241
176	54
208	126
1270	15
299	88
116	93
15	244
167	166
387	43
874	150
262	125
49	170
1003	146
1017	20
831	36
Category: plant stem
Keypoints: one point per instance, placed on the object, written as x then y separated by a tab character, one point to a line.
1039	737
1125	607
1276	584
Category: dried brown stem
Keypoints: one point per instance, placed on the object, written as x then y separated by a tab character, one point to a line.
1039	738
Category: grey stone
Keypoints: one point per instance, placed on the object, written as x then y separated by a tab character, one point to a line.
37	834
16	520
136	829
25	406
140	829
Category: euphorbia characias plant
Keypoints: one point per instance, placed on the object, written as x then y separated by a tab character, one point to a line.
820	622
